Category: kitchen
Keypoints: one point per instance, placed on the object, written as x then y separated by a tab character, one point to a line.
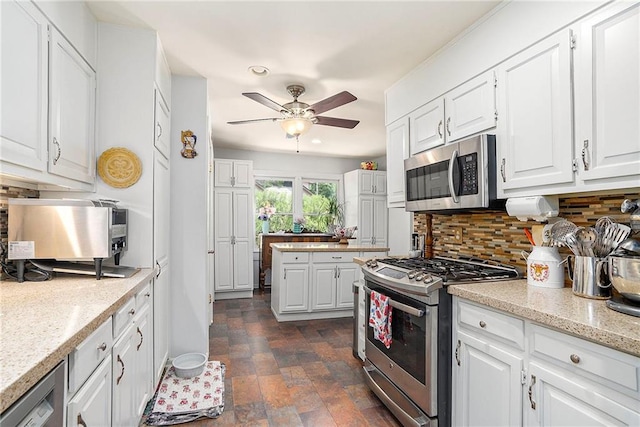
482	232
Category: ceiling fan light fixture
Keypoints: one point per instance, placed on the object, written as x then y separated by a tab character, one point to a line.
296	126
258	70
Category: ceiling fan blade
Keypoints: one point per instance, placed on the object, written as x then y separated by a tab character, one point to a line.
241	122
333	121
332	102
265	101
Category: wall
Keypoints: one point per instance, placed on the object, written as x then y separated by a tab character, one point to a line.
189	288
496	236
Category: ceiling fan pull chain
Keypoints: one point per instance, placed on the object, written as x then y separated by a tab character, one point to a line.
297	143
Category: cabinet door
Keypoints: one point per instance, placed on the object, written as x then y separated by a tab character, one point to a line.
295	288
23	85
426	127
471	107
559	399
233	173
223	230
161	208
91	405
380	183
242	173
123	410
144	358
347	274
366	227
534	116
487	386
397	151
242	240
366	182
161	321
72	104
223	173
323	286
380	221
163	125
608	94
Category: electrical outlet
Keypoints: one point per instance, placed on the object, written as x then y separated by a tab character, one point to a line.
457	234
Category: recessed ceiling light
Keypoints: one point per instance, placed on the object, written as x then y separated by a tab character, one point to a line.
258	70
316	141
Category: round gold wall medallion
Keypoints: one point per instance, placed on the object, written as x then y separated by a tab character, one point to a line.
119	167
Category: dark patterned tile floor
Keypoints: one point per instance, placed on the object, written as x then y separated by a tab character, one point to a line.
291	373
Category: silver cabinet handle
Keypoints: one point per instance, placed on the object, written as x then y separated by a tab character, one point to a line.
502	170
57	144
285	274
81	421
159	127
211	251
440	129
132	311
454	156
483	324
585	147
338	268
531	384
575	358
119	359
333	257
159	269
233	181
448	122
458	353
103	346
148	294
141	339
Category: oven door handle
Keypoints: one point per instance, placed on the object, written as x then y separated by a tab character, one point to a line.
400	306
454	156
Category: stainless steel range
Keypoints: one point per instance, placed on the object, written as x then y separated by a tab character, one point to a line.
413	376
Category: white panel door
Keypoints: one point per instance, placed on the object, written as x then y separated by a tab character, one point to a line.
242	173
380	183
397	152
426	127
161	321
323	286
223	220
123	409
162	137
380	220
223	173
558	399
367	182
144	358
72	106
471	107
23	85
608	94
242	239
91	405
366	226
347	274
295	288
487	387
534	132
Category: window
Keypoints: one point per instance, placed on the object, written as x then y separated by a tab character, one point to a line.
276	195
317	198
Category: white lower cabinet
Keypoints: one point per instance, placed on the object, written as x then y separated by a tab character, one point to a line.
295	288
91	405
332	286
509	371
123	380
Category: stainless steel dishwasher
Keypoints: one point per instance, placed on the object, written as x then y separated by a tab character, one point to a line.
42	405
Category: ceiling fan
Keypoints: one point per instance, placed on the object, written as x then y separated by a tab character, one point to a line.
297	117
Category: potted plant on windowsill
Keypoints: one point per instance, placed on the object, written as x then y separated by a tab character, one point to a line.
298	224
335	215
264	213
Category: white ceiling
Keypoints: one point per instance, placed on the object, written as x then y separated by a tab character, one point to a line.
328	46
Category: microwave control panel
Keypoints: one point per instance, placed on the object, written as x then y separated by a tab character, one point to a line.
469	165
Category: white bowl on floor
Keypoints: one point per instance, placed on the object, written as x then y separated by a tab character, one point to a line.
189	364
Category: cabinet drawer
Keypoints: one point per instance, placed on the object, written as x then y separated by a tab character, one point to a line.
582	357
497	325
333	257
88	355
295	257
143	297
123	317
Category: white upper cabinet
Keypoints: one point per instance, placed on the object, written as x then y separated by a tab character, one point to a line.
534	105
163	125
397	151
72	106
469	108
24	85
233	173
607	79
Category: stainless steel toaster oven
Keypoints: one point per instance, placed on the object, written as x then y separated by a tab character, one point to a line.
65	229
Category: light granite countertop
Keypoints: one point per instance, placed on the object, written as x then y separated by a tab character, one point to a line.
558	308
42	322
326	247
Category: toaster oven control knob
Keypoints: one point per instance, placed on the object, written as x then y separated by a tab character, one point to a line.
412	274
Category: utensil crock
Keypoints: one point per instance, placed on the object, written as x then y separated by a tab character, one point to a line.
590	277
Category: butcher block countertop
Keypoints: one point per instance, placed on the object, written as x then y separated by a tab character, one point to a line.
326	247
558	308
42	322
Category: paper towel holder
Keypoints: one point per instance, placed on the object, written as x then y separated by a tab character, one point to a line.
537	208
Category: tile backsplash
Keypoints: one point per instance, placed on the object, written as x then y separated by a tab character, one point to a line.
496	236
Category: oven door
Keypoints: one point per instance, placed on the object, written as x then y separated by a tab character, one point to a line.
410	363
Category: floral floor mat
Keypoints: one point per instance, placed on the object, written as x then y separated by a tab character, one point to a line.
181	400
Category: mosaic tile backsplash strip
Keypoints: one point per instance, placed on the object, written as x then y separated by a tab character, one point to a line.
496	236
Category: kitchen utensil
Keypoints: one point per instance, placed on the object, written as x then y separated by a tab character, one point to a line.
630	246
527	232
586	239
545	267
571	241
624	273
560	230
590	277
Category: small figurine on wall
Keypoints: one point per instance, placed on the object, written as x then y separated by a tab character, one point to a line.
189	144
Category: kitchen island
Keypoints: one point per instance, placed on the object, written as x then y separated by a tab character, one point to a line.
42	322
315	280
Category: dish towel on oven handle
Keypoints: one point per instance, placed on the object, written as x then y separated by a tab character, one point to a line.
380	318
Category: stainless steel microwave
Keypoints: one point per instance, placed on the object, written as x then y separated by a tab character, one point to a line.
456	176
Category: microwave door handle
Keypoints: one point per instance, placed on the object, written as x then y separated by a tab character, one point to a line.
454	156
